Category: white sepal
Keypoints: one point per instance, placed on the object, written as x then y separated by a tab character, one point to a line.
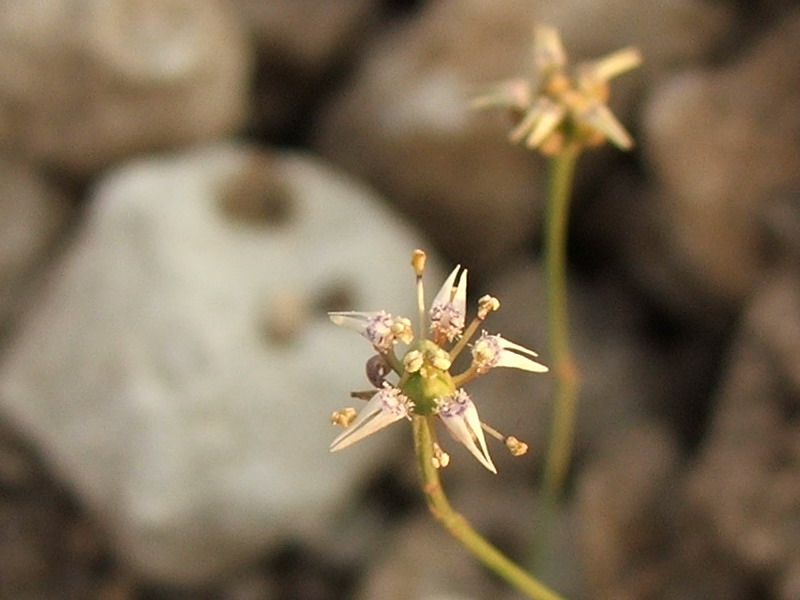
460	417
384	408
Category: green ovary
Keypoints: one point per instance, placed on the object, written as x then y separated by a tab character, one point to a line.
423	390
429	383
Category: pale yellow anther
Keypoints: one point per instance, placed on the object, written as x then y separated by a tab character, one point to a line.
516	447
486	305
413	361
440	458
344	417
418	258
401	329
440	359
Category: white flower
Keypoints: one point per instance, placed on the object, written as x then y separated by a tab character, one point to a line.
449	307
422	385
384	408
380	328
557	102
459	415
491	351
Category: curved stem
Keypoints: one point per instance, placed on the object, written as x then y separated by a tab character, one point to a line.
459	527
559	448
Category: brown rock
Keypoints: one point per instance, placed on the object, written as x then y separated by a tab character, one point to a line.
404	124
32	214
622	513
299	43
722	144
746	484
85	86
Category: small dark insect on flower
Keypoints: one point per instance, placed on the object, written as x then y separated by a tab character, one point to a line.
377	370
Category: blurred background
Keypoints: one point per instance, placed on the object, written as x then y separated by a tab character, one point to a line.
187	186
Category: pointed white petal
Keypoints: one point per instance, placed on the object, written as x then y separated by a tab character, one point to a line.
443	296
511	355
550	118
529	121
449	307
504	343
460	417
514	93
517	361
548	51
460	297
357	321
383	409
616	63
600	117
380	328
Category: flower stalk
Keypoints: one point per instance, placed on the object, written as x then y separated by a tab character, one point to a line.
459	527
559	447
559	451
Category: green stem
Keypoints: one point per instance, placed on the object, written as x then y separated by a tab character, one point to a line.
459	527
559	448
566	393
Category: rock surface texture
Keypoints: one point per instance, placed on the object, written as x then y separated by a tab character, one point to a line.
89	83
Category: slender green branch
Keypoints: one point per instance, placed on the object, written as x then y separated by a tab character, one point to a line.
559	450
459	527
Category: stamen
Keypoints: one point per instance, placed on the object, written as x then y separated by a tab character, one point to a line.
492	432
486	305
516	447
440	458
412	362
344	417
418	258
462	378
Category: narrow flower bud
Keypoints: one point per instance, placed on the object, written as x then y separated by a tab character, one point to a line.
418	258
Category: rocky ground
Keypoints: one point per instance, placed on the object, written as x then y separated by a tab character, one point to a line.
188	186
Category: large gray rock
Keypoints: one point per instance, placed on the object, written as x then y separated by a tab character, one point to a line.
179	370
89	83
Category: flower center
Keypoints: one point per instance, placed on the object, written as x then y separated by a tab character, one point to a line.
426	378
